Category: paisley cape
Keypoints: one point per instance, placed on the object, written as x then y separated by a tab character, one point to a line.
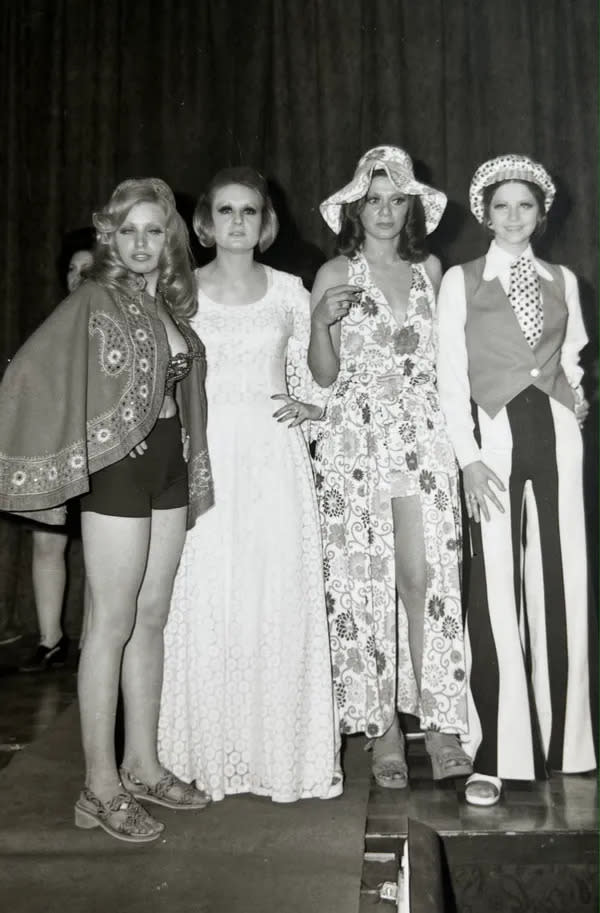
83	391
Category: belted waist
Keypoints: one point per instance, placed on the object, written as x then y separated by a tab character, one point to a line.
391	382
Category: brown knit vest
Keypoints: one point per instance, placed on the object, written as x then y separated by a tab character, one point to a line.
501	362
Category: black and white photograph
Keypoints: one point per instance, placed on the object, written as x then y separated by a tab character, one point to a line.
299	450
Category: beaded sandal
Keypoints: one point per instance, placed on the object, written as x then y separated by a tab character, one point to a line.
186	797
447	757
136	825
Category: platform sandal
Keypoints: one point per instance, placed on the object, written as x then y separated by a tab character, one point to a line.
494	790
121	817
447	757
169	791
388	764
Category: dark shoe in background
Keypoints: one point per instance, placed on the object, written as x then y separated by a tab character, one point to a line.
44	658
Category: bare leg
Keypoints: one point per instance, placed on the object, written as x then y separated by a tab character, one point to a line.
116	549
87	610
49	577
143	658
447	757
411	577
389	764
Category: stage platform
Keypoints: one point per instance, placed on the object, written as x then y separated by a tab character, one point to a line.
243	855
534	852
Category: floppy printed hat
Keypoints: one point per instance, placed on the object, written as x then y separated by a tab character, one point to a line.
509	168
398	166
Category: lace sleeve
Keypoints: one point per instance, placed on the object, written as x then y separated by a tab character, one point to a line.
300	382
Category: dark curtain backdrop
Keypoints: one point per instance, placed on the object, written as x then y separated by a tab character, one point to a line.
94	92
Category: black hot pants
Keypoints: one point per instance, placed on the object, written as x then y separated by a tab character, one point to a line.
154	480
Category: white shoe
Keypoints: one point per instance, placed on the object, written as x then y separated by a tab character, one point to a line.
474	799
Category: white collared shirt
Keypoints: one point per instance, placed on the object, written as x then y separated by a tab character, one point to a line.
452	359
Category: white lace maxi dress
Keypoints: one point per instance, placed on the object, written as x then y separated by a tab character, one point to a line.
247	700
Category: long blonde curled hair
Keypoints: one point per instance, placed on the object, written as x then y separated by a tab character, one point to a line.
176	281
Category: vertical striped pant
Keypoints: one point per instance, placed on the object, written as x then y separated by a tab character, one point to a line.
528	628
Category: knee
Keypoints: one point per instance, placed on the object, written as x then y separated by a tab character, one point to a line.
49	547
411	585
111	628
152	614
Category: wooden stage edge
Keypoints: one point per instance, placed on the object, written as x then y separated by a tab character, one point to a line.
536	851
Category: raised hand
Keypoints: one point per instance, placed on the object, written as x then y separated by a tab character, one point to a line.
335	303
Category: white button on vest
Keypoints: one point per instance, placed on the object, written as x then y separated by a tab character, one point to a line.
535	372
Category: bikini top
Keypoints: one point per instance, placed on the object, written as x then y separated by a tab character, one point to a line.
178	367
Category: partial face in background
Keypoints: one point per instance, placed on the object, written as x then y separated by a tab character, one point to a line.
384	213
237	217
141	237
513	215
81	260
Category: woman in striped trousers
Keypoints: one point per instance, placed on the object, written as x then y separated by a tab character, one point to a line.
510	332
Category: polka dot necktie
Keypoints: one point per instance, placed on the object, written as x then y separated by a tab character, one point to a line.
526	300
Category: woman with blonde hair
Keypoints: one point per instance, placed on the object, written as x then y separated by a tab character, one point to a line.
110	389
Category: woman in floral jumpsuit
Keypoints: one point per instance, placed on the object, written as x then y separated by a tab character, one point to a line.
386	473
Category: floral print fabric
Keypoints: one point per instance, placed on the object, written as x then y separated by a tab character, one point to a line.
384	437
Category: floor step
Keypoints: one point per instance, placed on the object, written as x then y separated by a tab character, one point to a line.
536	851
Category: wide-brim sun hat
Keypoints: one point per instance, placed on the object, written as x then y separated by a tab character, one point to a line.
512	167
398	166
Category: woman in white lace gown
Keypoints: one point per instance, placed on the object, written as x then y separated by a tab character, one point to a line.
247	700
